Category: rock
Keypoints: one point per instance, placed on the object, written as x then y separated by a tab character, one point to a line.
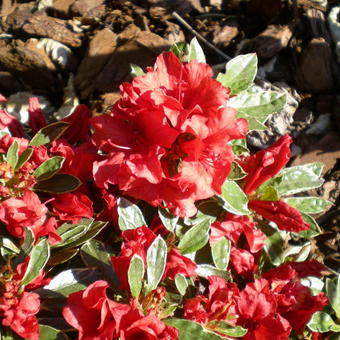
59	53
326	151
9	84
224	34
315	72
271	41
57	29
88	8
317	24
279	123
107	65
322	125
173	33
135	47
334	27
99	52
30	67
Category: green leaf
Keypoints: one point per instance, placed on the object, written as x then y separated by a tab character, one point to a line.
135	275
136	70
255	105
48	168
206	270
73	235
49	133
195	51
313	230
195	238
190	330
269	194
62	256
26	246
314	283
50	333
333	293
38	259
234	199
169	220
220	253
300	178
130	216
236	172
322	322
240	73
181	283
69	281
274	246
58	184
9	244
239	146
23	158
155	262
12	155
227	329
309	205
71	232
180	49
98	255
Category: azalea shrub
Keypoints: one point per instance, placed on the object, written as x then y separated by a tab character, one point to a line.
156	221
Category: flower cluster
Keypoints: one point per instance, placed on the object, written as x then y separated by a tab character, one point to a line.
156	222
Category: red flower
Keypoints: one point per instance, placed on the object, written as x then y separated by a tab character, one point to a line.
292	270
19	213
93	314
19	311
242	261
72	207
299	312
135	326
167	137
38	282
79	121
219	306
233	227
10	122
265	164
36	119
136	241
179	264
281	213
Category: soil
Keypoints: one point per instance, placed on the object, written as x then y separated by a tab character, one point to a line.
71	51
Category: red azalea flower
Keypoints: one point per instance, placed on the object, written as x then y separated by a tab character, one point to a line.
19	213
242	261
136	241
10	122
281	213
292	270
219	306
38	282
178	264
72	207
266	163
93	314
18	311
79	121
36	119
233	227
135	326
167	137
78	160
305	305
